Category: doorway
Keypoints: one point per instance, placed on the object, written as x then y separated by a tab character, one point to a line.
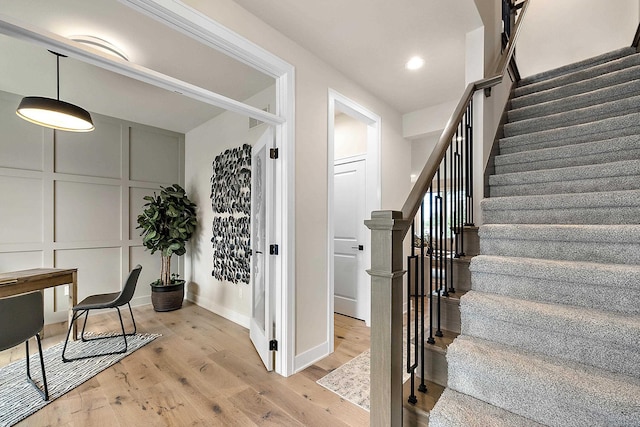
353	193
209	33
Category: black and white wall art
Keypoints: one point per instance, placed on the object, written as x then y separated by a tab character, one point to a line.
231	204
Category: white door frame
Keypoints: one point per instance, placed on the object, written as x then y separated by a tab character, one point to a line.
340	103
187	20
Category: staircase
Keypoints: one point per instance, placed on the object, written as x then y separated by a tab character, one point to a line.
550	331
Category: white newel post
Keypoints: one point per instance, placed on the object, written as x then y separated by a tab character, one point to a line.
387	233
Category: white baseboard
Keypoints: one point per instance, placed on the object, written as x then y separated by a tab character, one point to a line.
140	301
310	356
231	315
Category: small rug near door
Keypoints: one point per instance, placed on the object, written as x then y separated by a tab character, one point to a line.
351	380
18	398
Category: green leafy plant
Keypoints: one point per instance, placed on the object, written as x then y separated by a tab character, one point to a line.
167	222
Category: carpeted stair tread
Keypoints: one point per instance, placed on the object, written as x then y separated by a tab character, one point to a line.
587	153
609	128
551	392
621	90
576	88
621	175
578	75
576	283
592	243
586	63
573	117
609	207
455	409
555	330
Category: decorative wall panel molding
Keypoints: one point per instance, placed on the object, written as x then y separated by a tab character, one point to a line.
231	204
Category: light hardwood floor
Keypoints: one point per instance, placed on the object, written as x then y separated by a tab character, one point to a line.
203	371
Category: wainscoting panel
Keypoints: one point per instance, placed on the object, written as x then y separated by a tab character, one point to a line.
136	200
21	142
12	261
93	154
98	271
154	155
21	211
86	212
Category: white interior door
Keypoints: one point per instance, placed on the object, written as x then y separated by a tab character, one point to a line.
262	326
350	284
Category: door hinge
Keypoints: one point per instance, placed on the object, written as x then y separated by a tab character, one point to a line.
273	249
273	153
273	345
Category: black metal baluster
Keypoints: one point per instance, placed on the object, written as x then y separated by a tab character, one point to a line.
411	368
423	387
431	340
440	252
445	220
470	169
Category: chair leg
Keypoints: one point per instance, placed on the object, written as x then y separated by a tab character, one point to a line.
123	335
66	341
133	320
45	391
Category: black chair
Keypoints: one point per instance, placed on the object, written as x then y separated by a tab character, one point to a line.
22	317
102	301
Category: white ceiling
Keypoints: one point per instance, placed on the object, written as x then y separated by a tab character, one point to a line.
30	70
371	40
367	40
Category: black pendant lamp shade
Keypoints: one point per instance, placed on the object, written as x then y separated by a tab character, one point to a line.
53	113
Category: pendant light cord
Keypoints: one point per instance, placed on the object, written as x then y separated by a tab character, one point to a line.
58	76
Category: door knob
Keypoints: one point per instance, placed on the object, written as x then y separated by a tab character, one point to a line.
359	247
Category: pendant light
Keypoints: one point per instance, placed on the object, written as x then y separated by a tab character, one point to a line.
54	113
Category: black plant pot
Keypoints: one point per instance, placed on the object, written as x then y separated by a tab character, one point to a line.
167	298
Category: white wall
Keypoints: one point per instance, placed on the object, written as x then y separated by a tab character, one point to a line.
418	124
557	33
70	200
421	149
313	78
202	144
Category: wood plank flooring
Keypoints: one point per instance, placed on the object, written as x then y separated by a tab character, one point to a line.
203	371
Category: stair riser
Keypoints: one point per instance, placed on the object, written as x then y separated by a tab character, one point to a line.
625	153
597	131
607	94
617	299
449	315
612	253
567	186
461	277
471	242
435	368
579	76
571	118
589	350
603	215
537	392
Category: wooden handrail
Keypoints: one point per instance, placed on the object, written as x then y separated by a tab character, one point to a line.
412	204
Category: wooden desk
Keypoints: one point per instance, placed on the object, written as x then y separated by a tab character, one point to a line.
37	279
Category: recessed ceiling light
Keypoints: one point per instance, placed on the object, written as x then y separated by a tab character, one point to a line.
414	63
101	45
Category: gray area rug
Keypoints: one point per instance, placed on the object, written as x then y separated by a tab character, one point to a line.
18	398
351	380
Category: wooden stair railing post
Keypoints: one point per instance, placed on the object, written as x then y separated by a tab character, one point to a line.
388	229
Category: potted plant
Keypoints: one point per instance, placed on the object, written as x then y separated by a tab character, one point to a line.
167	222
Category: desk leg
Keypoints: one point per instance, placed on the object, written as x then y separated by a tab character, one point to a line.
73	300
